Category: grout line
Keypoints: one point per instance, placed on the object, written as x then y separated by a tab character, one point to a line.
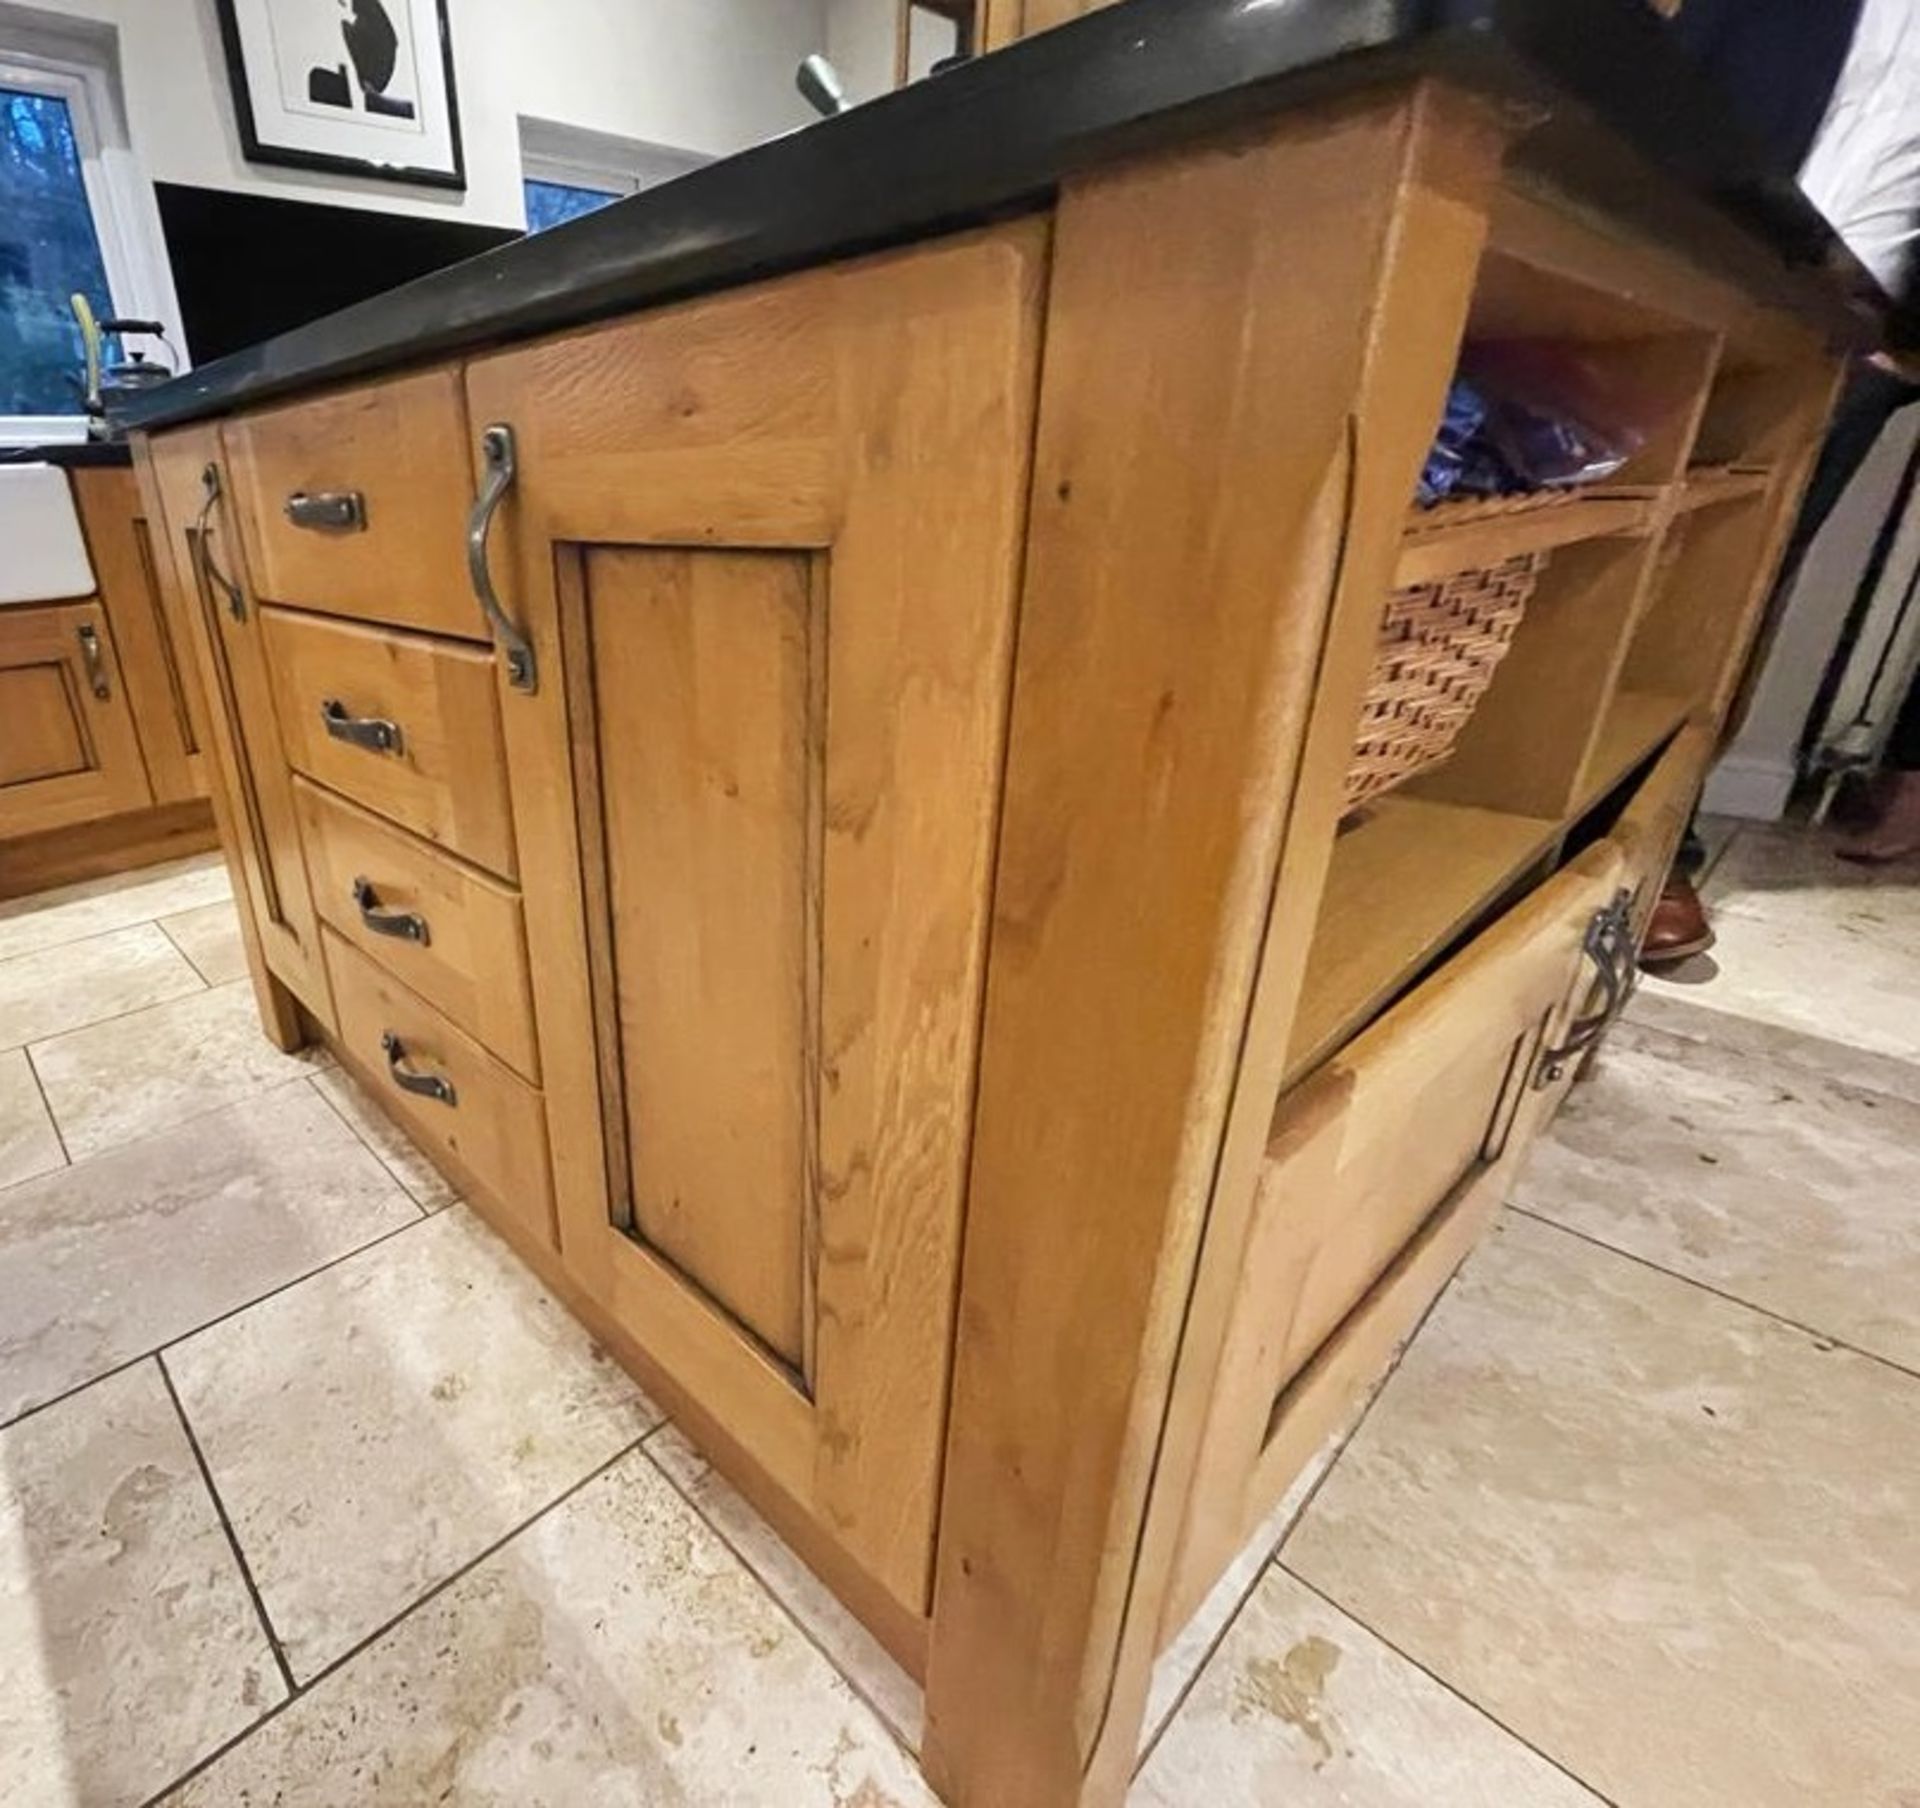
218	1318
361	1137
1546	1757
167	1129
1733	1299
303	1689
157	1004
160	923
46	1105
99	935
773	1594
1272	1557
226	1525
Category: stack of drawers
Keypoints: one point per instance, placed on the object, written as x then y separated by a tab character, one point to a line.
353	511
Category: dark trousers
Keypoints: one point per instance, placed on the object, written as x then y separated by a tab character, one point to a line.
1871	399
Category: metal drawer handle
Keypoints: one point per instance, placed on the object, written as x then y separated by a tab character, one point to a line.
1608	943
375	733
328	511
89	638
401	923
411	1079
210	573
496	449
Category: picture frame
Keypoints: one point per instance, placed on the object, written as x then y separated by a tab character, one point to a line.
351	87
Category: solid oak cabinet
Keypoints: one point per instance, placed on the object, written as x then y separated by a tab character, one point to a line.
827	818
100	755
769	576
70	753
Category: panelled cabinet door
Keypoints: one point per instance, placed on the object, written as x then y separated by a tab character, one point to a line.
765	548
68	752
224	624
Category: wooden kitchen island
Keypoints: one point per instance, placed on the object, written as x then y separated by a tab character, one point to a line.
794	732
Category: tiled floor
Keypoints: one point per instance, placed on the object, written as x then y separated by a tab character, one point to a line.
309	1495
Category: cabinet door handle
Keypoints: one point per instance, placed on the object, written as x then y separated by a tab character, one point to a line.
89	638
496	451
328	511
413	1079
210	573
1608	943
375	733
401	923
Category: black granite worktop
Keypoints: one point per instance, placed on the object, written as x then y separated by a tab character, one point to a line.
70	454
1613	110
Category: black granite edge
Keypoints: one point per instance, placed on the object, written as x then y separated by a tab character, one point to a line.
70	454
997	135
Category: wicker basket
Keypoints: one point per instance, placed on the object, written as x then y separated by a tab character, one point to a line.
1439	646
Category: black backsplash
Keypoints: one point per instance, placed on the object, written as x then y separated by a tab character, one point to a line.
249	266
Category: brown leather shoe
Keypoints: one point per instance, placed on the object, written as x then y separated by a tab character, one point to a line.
1678	928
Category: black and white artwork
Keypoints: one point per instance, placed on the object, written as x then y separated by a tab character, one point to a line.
364	86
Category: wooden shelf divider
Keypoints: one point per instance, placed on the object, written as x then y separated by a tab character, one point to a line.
1405	880
1427	553
1635	724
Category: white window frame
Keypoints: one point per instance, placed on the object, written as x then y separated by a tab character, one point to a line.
79	71
580	158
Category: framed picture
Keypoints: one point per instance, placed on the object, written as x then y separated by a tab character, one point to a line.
364	87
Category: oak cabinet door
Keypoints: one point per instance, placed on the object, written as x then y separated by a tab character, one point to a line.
255	781
68	752
765	547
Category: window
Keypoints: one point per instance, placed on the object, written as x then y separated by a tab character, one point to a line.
76	216
568	171
553	203
48	251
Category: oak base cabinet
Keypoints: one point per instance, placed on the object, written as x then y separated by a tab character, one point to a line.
858	886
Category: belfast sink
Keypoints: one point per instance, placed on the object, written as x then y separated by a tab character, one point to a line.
45	555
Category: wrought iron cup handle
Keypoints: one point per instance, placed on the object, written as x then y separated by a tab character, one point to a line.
89	638
1608	943
496	451
402	924
211	573
328	511
413	1079
375	733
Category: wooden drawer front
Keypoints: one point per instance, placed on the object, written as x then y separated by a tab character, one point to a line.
1382	1167
492	1128
443	775
451	932
395	453
1429	1094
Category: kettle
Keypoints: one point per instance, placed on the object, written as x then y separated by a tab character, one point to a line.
129	375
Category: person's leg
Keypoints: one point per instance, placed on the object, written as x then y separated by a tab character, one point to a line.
1895	831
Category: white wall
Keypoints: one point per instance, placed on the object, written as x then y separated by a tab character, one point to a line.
860	43
702	75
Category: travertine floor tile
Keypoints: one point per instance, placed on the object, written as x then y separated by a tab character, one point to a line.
84	982
112	1082
616	1652
50	918
1810	942
1792	1192
1664	1539
105	1260
429	1188
1302	1706
384	1422
29	1144
1669	1008
210	937
855	1652
128	1645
